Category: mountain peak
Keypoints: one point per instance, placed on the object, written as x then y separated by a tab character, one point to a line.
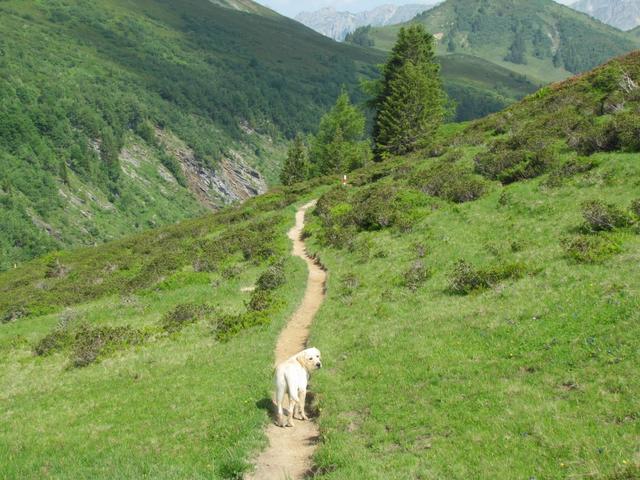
622	14
338	24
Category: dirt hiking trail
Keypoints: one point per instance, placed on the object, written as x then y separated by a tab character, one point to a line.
288	456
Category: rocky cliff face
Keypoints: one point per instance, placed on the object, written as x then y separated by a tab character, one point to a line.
334	24
622	14
230	181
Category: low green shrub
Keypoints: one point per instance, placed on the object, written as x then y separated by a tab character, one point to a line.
90	343
449	182
592	137
508	166
59	339
635	207
184	314
568	169
416	275
590	248
261	300
372	208
273	277
14	313
55	269
227	326
600	216
620	131
466	278
627	126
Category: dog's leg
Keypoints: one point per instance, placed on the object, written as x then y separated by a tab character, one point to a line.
294	403
303	398
280	392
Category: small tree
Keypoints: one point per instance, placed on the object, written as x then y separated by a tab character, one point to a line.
296	167
339	145
409	95
409	117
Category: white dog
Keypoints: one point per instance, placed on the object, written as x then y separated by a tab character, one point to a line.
291	378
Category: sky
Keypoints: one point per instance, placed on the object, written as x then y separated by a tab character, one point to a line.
292	7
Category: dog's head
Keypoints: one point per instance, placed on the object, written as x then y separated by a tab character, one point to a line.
310	359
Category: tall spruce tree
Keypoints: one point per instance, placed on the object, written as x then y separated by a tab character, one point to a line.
409	99
296	167
340	144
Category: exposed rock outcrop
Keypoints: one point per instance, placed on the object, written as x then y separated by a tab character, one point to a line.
230	181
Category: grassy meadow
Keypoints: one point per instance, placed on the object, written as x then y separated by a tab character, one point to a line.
183	402
529	378
481	319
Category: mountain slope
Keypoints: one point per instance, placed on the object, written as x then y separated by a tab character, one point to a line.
337	25
539	38
622	14
486	297
205	93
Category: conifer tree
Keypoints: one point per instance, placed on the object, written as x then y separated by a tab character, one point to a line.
296	167
340	146
409	99
411	113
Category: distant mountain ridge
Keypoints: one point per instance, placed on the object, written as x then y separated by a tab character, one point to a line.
622	14
338	24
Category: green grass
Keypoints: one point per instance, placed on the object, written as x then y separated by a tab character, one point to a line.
527	373
180	405
512	382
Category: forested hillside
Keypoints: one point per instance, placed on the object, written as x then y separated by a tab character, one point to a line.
481	319
117	116
539	41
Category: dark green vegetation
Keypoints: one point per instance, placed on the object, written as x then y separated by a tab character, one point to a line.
296	166
409	102
482	318
340	145
539	40
84	86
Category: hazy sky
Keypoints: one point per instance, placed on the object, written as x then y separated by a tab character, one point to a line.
292	7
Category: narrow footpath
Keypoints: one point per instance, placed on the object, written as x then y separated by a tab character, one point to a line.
288	456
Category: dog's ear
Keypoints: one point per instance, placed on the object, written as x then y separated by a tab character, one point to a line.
301	358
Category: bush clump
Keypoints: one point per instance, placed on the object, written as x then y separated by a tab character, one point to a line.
260	300
595	137
376	207
600	216
90	343
509	166
14	313
618	132
273	277
569	169
590	248
635	207
449	183
466	278
416	275
230	325
57	340
182	315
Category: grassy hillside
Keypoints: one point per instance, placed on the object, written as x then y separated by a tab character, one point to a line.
83	82
479	87
539	40
481	319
